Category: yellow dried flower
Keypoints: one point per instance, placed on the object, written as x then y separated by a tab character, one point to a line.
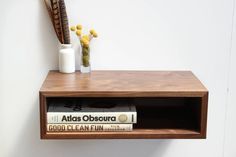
72	28
86	37
84	41
78	32
86	44
79	27
93	33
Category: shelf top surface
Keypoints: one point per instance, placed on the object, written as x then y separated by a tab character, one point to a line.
179	82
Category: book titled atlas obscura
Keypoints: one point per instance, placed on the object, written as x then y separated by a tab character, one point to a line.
85	113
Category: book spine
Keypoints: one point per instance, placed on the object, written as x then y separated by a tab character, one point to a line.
92	117
88	127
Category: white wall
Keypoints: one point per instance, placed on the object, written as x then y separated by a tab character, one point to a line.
136	34
230	129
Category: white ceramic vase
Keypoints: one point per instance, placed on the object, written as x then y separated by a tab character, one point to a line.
66	59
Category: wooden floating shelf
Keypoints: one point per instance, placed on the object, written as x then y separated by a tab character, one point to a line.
170	104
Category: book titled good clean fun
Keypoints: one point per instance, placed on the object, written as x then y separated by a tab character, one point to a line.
88	127
67	113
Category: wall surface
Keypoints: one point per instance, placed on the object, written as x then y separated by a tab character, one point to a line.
196	35
230	117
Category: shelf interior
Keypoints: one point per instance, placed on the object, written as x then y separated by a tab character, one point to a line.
164	115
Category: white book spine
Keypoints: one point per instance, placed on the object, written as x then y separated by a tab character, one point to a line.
88	127
92	117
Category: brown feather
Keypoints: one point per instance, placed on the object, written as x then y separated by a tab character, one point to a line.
56	20
49	9
64	22
58	16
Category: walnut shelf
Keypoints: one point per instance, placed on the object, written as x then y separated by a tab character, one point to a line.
170	104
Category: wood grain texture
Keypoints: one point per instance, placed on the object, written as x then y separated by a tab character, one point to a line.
204	108
124	83
131	84
136	134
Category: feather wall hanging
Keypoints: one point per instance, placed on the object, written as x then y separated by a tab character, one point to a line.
59	19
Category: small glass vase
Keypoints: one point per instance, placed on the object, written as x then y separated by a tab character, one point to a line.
85	66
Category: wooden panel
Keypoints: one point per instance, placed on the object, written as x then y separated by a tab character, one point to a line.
135	134
204	108
43	115
123	83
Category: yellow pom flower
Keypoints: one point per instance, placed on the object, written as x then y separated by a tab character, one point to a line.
84	41
93	33
86	37
72	28
78	32
86	44
79	27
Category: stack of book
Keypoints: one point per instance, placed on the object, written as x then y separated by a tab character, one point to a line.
73	116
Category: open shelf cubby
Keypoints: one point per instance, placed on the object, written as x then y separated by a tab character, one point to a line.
169	104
